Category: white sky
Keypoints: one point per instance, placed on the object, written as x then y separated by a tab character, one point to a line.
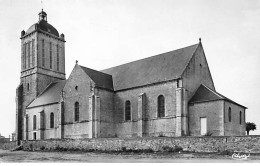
106	33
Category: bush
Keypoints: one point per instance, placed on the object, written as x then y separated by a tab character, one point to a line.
8	145
209	133
171	149
226	152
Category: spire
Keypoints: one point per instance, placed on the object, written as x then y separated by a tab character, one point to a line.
42	4
200	40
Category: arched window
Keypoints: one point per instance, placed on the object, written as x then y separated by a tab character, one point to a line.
52	120
76	107
229	114
240	117
161	106
28	87
34	122
127	110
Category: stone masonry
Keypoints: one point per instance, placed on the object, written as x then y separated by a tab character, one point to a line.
160	96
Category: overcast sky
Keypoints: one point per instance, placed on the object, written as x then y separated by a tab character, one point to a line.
105	33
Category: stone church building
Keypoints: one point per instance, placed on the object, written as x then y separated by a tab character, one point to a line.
171	94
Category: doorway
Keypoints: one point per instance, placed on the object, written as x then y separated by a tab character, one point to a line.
34	135
203	125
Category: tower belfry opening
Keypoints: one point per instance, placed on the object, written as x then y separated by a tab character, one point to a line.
42	16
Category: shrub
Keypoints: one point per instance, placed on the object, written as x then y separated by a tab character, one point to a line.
172	149
209	133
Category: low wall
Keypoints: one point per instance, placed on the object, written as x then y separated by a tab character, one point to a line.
245	144
8	145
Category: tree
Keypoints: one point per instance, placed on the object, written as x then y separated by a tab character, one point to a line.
250	126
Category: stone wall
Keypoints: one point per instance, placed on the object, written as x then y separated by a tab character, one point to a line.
153	125
80	128
8	145
213	111
107	126
54	42
245	144
43	129
234	127
196	73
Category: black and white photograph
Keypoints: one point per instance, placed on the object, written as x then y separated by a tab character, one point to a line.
130	81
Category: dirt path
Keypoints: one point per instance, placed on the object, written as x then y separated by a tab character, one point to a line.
22	156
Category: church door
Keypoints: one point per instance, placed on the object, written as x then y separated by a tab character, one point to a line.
203	126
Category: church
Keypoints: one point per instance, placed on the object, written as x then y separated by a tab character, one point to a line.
167	95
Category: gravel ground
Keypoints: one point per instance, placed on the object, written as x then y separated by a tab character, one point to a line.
97	157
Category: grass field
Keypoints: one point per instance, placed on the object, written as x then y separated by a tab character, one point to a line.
97	157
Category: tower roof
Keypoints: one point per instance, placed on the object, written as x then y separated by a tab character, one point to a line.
43	25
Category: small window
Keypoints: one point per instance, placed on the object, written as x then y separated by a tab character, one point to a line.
240	117
34	122
229	114
76	107
76	87
52	120
200	65
28	87
161	106
127	110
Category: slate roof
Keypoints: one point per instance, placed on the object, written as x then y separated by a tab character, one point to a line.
204	94
50	95
158	68
100	79
44	26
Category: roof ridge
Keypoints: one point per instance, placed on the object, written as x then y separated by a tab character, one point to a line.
147	57
95	70
39	94
216	93
45	89
220	96
101	79
50	94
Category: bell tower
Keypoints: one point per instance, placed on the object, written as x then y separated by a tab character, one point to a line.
42	62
